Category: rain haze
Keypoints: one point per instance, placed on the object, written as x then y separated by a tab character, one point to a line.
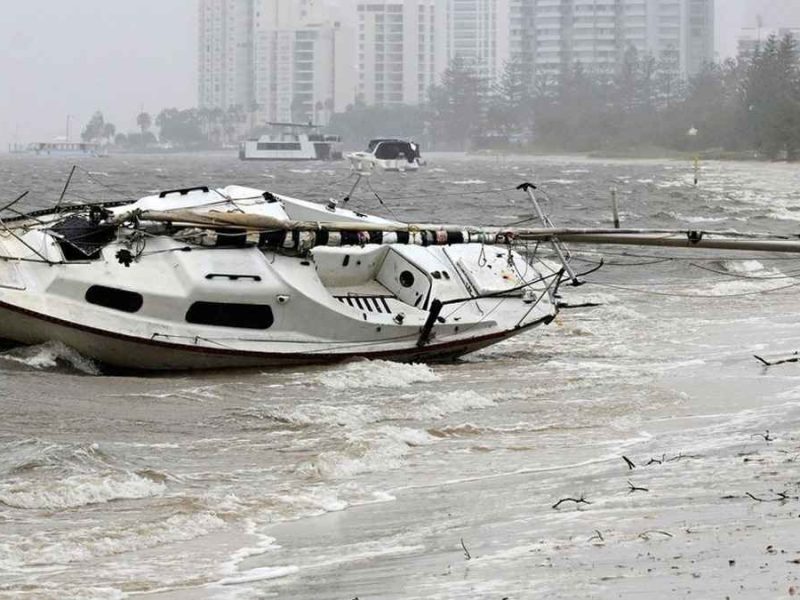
381	299
62	60
71	58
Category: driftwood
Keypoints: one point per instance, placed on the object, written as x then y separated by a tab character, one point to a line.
633	488
597	536
580	500
794	357
629	462
466	552
781	497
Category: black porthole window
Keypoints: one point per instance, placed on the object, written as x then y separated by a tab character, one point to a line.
406	279
223	314
108	297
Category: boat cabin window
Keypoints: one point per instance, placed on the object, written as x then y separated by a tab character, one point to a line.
278	146
224	314
108	297
393	150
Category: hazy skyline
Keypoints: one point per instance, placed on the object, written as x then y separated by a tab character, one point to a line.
60	58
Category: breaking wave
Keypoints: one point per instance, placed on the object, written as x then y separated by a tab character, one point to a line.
381	450
377	373
259	574
78	490
78	545
52	355
446	404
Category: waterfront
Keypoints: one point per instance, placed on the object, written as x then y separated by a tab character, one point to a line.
363	479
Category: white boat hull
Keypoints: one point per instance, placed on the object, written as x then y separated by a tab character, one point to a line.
156	303
365	162
132	353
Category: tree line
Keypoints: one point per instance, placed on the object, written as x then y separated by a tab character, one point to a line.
750	104
191	128
746	105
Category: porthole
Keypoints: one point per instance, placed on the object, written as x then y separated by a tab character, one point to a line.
219	314
406	279
129	302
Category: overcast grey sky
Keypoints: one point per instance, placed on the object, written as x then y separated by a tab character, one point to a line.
72	57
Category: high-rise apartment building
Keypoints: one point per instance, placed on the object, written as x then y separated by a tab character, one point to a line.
479	32
597	33
400	50
225	53
699	34
281	60
303	61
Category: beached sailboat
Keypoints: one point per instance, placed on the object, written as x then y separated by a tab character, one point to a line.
236	277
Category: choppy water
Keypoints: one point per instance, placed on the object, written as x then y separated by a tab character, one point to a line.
363	479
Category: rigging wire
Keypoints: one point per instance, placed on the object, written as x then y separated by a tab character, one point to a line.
91	177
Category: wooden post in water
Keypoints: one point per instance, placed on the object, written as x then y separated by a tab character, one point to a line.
615	207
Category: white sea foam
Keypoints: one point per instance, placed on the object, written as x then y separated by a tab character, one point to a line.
743	266
259	574
742	287
77	545
381	450
377	373
469	182
312	502
436	406
670	184
265	544
322	414
695	218
50	355
782	214
53	591
78	490
368	550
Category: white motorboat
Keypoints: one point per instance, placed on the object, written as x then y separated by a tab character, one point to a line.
292	141
387	154
236	277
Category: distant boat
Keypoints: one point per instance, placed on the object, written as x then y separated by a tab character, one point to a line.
387	154
292	141
60	148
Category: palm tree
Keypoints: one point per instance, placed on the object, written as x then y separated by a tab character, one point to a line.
144	121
